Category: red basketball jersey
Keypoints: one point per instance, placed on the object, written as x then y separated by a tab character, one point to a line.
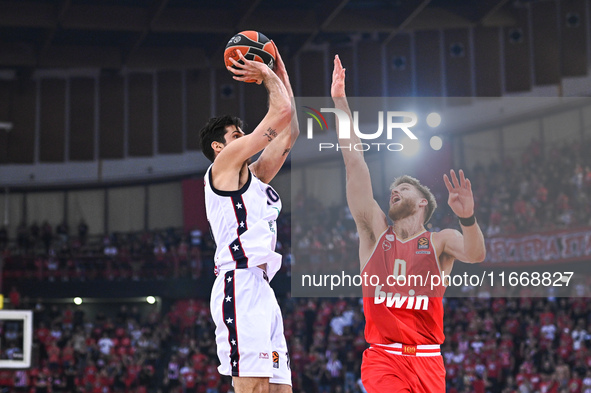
405	307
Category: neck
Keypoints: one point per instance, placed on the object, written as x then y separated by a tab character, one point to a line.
408	226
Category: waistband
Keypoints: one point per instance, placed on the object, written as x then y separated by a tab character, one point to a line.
255	270
410	349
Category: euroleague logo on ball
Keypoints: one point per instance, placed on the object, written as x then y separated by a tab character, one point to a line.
235	39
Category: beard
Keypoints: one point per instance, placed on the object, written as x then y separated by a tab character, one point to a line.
405	208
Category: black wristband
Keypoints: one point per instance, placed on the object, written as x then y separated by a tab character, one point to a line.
468	221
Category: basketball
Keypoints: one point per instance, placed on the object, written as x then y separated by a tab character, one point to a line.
253	45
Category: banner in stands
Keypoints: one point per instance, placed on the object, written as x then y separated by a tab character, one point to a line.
541	248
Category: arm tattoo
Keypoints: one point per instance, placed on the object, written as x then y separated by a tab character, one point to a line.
285	151
270	134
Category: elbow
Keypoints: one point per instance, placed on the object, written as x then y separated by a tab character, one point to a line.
295	131
479	257
285	112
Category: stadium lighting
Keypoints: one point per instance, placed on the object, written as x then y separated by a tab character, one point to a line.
436	143
77	301
433	119
150	299
411	147
6	125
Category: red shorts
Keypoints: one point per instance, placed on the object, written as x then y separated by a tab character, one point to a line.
382	371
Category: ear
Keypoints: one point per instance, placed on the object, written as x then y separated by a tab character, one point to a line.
423	202
217	147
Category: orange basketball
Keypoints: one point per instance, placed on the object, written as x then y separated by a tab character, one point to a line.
253	45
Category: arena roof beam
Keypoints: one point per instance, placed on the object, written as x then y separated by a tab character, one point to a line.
62	9
435	18
192	21
26	14
245	12
18	54
326	15
407	16
168	58
362	21
81	56
154	12
478	11
105	57
108	18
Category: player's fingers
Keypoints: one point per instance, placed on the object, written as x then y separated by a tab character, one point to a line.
276	50
335	71
242	78
236	71
454	178
469	184
447	183
236	63
462	178
241	56
338	62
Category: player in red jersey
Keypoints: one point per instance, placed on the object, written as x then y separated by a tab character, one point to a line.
404	322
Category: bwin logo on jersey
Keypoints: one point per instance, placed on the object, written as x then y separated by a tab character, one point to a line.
398	301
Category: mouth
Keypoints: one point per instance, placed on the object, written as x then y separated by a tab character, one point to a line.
395	200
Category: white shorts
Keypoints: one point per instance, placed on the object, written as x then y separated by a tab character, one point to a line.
249	326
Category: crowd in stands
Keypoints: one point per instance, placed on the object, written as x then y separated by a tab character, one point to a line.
542	191
492	345
539	192
41	254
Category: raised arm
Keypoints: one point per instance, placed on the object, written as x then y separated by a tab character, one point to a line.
368	216
277	119
272	158
469	245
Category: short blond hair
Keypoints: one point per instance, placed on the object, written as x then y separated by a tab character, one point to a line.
431	202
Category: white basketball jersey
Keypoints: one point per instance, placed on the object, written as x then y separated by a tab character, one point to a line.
243	225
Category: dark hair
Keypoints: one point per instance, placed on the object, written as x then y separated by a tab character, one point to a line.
214	131
427	194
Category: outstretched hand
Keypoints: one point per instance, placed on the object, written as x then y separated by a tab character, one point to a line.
337	89
460	198
248	70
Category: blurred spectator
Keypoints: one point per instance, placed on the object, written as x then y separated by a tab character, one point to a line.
15	297
82	231
3	237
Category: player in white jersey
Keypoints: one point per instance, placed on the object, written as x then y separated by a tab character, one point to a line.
242	208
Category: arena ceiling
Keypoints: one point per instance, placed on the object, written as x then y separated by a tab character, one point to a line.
189	33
